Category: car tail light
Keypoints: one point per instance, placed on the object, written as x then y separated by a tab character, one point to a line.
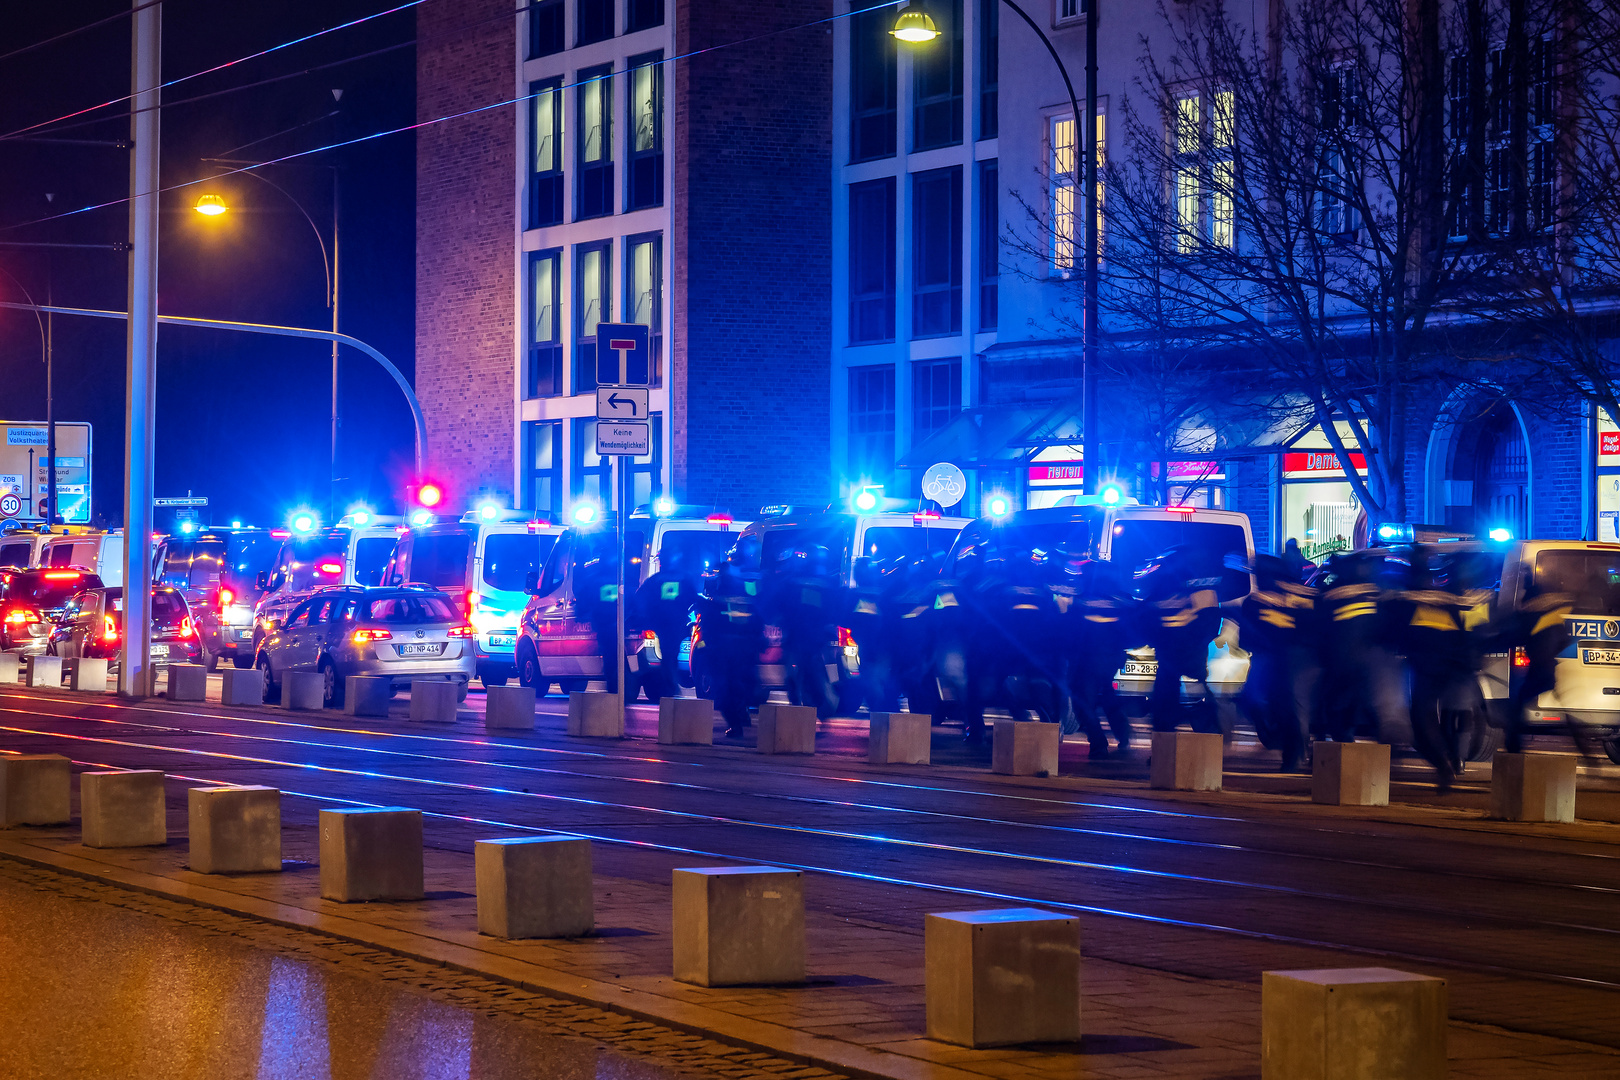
360	637
1520	657
462	631
472	603
649	635
21	615
226	598
330	568
279	534
185	627
109	630
845	638
1180	509
62	575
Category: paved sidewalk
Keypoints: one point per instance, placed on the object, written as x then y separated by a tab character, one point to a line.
862	1012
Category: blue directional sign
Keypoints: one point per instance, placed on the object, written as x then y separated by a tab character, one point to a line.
622	355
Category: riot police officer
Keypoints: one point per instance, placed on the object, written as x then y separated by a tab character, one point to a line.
664	605
1181	615
1536	634
730	632
1098	616
1277	629
1438	650
1361	673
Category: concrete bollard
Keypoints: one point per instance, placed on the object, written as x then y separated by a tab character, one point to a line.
433	701
241	686
786	729
534	887
1533	787
1028	748
188	682
1185	761
1350	773
1001	977
508	708
595	715
11	667
1352	1023
43	671
303	690
685	721
737	925
123	809
900	738
35	789
371	853
87	674
234	830
367	695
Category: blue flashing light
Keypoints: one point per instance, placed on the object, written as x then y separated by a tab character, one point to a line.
1394	533
584	514
1500	535
188	527
489	511
236	524
664	507
421	517
867	500
1112	495
999	506
303	521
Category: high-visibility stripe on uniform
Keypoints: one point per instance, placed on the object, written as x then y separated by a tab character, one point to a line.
1277	617
1434	618
1548	621
1355	611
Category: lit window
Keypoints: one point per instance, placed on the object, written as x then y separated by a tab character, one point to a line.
1063	159
1223	139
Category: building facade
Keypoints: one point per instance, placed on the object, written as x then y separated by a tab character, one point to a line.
646	168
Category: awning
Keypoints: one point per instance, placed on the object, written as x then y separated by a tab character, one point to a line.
996	436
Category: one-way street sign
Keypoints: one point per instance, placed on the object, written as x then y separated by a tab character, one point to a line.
621	403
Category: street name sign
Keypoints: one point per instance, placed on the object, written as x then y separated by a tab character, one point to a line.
189	500
623	438
621	402
622	355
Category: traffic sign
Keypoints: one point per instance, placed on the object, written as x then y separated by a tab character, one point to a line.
10	505
623	439
189	500
944	483
622	356
621	402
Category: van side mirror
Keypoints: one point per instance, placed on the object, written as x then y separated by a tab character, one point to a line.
531	583
261	580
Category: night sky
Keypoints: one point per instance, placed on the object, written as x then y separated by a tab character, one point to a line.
241	419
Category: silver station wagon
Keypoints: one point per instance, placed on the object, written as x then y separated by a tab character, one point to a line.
403	633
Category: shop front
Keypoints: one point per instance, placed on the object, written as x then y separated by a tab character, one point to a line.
1316	505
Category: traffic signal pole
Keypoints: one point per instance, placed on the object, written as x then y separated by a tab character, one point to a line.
135	655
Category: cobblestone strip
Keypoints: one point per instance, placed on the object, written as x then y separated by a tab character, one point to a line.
627	1035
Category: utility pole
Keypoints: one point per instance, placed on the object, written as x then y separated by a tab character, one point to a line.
50	397
331	493
1091	443
135	657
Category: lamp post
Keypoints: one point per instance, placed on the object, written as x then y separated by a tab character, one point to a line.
914	26
213	206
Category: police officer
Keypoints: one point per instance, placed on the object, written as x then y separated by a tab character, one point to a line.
730	633
1181	615
1437	649
1027	614
1361	674
1097	618
870	621
596	590
1277	629
664	605
1536	634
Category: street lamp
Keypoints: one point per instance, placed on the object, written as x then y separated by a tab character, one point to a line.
914	27
210	206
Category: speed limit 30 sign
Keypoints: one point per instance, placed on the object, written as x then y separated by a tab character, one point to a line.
10	505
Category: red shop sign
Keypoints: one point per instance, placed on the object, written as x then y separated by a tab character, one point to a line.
1318	463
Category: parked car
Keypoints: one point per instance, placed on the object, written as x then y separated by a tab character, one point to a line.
93	626
101	553
484	561
32	602
401	633
218	571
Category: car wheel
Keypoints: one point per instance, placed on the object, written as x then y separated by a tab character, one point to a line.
1483	741
461	690
332	697
571	686
243	662
269	680
528	671
493	674
1612	748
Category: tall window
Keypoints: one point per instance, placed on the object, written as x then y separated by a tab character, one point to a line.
543	458
871	422
871	261
1222	174
1189	142
1492	122
936	257
643	15
546	162
989	68
592	305
644	294
1339	115
545	325
593	21
874	88
595	152
644	160
936	86
989	243
936	396
1065	212
546	28
592	474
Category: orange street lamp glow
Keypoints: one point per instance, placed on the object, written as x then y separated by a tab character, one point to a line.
210	206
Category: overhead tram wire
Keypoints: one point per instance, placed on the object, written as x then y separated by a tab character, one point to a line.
421	124
408	4
123	14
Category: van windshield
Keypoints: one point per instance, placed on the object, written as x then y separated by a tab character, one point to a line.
803	551
1591	579
1137	541
439	559
693	552
889	542
371	558
509	558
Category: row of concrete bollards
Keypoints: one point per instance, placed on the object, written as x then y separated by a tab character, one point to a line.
1000	977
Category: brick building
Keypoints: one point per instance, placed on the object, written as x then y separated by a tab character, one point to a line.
653	171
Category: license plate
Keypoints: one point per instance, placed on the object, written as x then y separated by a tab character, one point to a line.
1140	667
497	641
421	648
245	635
160	650
1601	656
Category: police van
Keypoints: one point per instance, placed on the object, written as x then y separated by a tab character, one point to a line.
218	571
483	560
355	551
1115	529
101	553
